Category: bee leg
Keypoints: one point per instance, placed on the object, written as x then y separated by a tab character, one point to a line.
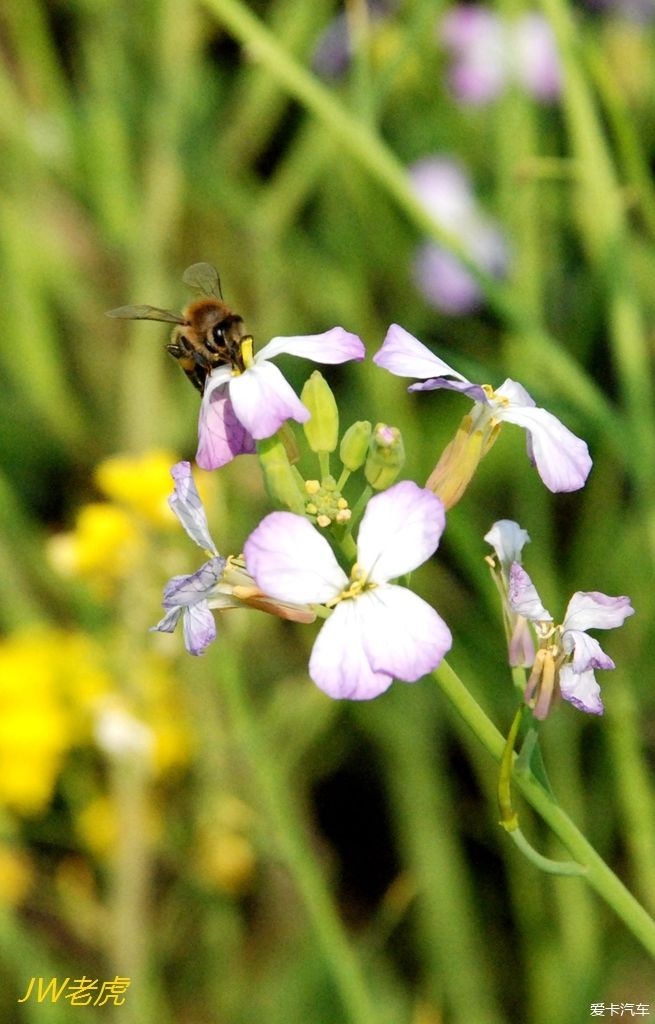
186	356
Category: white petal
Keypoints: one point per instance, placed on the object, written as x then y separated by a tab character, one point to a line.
290	561
401	528
581	690
404	355
592	610
338	662
263	400
220	434
402	634
523	596
335	346
562	459
508	540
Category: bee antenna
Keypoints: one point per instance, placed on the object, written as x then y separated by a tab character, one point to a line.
220	286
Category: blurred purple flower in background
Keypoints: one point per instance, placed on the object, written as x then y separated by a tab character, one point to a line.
490	53
444	188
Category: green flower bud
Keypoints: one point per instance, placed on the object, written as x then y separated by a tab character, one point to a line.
280	478
322	430
386	456
354	445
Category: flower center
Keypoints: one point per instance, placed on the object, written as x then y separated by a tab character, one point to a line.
358	585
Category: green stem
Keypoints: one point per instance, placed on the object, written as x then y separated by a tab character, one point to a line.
599	876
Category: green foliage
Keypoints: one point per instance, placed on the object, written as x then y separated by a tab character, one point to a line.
139	138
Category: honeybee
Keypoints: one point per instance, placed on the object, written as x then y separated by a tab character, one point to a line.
207	333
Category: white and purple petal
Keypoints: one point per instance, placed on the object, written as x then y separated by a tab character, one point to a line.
404	636
405	356
592	610
477	42
536	57
474	391
581	690
221	436
199	628
183	591
339	664
587	652
187	506
290	561
562	459
263	400
523	596
330	347
400	529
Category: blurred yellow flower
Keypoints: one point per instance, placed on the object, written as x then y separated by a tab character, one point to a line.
16	875
102	547
141	483
49	680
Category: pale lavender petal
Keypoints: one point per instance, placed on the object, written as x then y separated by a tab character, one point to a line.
474	391
581	690
537	61
290	561
508	540
220	434
334	346
187	506
199	628
523	596
444	282
401	528
338	663
169	621
404	355
263	400
402	634
182	591
562	459
587	652
477	41
592	610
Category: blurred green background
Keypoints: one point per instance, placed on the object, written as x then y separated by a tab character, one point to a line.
216	830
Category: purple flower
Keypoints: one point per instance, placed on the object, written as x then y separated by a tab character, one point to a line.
508	540
445	191
219	583
490	53
240	407
334	49
562	459
377	631
567	657
640	11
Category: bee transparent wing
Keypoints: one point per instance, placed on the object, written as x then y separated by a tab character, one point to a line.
145	313
202	277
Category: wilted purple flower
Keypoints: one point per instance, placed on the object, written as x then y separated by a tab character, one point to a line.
240	407
377	631
562	459
489	53
508	540
567	657
219	583
444	189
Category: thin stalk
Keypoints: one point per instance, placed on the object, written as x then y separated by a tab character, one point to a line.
598	874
